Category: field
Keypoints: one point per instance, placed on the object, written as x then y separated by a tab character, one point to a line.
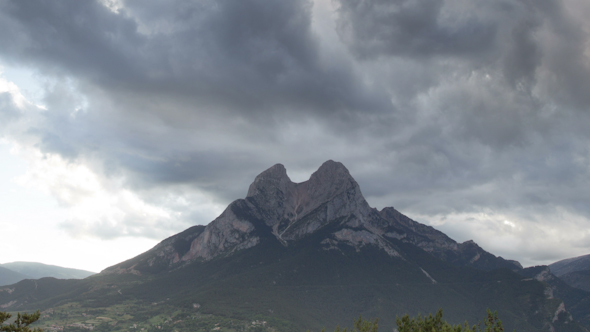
139	316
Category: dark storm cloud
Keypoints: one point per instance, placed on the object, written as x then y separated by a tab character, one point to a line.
520	39
78	37
439	108
495	106
251	55
191	65
410	28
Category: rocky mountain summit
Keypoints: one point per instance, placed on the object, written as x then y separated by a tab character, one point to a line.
278	209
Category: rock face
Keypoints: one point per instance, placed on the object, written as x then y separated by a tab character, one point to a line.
224	235
575	300
289	211
294	210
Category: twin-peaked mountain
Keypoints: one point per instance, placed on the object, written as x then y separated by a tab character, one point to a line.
303	256
280	210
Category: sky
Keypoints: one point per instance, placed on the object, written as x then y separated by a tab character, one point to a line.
125	122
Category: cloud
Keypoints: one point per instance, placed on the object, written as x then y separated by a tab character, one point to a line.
11	102
443	109
375	28
102	207
532	44
202	76
205	56
9	111
533	241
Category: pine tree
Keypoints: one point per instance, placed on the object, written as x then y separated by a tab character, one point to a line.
429	324
437	324
21	324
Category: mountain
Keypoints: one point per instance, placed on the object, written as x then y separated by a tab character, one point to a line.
300	256
562	267
577	301
578	279
38	270
574	271
288	212
8	276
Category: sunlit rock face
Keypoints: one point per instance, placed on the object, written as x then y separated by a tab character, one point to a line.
226	234
294	210
291	210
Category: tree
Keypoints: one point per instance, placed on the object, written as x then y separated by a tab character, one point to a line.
429	324
21	324
362	325
437	324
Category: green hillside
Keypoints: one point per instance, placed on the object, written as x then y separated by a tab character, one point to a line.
297	288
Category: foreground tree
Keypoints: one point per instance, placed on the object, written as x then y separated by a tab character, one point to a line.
361	325
429	324
21	324
437	324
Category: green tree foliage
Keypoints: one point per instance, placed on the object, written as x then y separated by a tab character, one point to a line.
437	324
362	325
21	324
429	324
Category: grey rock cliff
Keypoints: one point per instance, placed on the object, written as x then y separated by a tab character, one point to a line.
291	210
294	210
226	234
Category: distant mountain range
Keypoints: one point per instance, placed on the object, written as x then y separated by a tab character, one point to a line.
298	256
14	272
574	271
8	277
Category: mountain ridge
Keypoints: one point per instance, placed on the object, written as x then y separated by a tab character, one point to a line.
8	276
34	270
574	271
579	263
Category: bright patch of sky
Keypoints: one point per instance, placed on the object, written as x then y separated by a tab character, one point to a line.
30	218
21	82
39	193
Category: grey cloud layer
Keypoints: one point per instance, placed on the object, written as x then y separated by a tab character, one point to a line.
437	107
532	44
251	55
